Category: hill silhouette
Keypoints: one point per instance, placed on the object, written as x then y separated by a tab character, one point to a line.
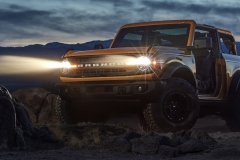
53	50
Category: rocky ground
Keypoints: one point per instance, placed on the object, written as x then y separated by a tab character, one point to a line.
209	139
91	141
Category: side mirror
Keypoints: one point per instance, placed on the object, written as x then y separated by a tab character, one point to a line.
98	46
203	43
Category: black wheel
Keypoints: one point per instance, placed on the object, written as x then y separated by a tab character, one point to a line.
73	113
232	112
176	108
64	112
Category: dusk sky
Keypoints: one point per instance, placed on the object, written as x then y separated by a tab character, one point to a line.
24	22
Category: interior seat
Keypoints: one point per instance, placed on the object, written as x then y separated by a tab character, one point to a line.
204	62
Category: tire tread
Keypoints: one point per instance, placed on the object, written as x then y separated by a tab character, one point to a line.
150	113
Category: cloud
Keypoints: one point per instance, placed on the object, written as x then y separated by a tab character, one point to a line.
63	21
218	14
25	23
16	7
66	21
183	6
25	17
115	3
176	6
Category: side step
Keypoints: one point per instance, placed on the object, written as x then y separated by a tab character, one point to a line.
220	103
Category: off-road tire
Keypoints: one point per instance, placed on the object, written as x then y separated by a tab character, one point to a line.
155	113
143	124
70	113
63	111
232	113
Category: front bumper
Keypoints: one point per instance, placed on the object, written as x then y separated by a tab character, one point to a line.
141	91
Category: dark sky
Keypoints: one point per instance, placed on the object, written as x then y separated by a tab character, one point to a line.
24	22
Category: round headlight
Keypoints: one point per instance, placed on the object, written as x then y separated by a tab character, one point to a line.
66	64
143	63
143	60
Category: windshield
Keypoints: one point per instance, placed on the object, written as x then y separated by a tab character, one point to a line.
158	35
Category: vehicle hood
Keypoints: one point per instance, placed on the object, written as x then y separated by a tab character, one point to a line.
127	50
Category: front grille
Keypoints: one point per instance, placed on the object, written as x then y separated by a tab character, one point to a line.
104	72
102	66
99	71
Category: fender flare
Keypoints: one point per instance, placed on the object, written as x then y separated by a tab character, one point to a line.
172	68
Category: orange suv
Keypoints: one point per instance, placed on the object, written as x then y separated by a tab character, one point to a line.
171	72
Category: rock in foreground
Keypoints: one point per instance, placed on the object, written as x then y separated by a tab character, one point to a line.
15	123
40	105
15	130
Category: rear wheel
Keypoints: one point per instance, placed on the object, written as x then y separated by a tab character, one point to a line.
232	112
176	108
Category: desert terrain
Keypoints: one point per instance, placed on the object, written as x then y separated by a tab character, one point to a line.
227	147
40	135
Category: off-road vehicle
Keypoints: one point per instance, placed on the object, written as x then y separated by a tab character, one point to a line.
171	71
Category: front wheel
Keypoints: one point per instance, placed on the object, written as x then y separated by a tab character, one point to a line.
176	107
76	112
64	111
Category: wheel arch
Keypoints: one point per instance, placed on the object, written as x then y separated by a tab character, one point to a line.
179	70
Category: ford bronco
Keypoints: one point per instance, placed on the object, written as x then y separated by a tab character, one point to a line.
171	72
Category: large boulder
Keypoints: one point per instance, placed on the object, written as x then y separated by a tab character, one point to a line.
39	103
15	123
10	134
23	118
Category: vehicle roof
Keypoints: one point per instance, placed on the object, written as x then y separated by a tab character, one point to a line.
158	22
173	22
224	31
218	29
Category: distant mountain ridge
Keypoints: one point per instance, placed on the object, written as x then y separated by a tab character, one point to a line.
105	43
51	50
55	50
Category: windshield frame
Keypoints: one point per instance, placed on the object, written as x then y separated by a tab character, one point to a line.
192	24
